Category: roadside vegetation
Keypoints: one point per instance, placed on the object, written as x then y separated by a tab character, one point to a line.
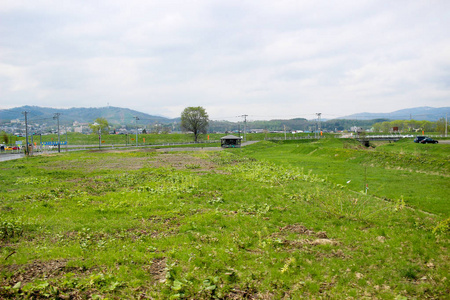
273	220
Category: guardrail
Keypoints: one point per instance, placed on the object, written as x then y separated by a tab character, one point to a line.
292	138
395	136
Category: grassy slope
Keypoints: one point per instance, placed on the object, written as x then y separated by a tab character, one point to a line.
416	173
204	225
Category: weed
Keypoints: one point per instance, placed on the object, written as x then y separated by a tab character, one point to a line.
192	166
399	204
11	229
410	272
31	180
442	228
216	200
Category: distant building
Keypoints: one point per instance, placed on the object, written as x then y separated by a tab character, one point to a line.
356	129
80	127
256	130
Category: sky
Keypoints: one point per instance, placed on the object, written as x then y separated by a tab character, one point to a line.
265	59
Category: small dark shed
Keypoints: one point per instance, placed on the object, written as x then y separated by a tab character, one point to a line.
230	141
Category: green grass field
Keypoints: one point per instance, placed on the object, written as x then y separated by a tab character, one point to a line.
274	220
416	173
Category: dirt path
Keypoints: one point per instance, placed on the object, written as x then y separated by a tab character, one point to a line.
248	143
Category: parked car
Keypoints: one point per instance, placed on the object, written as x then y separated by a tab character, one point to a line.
428	140
12	148
419	138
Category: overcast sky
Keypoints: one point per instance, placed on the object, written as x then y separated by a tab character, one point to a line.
266	59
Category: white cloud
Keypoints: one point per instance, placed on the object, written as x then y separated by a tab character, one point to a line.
265	58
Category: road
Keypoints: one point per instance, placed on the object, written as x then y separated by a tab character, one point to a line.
5	157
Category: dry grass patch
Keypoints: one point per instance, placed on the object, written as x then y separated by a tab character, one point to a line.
124	163
157	269
181	161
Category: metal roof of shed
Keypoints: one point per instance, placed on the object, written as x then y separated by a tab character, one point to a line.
230	137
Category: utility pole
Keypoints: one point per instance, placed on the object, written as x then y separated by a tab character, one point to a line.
318	124
446	124
99	132
26	132
136	119
245	126
56	116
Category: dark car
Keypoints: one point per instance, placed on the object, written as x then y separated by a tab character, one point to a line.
419	138
428	140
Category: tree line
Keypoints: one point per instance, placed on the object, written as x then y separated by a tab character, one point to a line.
411	126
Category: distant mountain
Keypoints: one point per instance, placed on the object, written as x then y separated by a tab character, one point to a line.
114	115
418	113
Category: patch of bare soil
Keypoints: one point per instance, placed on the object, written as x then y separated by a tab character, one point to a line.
164	159
183	161
338	254
125	163
316	242
38	269
320	238
297	228
300	229
161	220
158	269
145	150
135	234
247	293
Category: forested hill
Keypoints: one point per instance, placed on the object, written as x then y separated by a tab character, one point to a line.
114	115
293	124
